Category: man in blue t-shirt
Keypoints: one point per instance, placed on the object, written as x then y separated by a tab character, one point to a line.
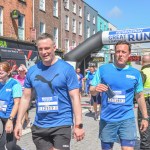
57	91
118	82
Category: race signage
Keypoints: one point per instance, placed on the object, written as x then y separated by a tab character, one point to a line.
130	35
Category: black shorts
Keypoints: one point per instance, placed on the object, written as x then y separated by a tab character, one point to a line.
46	138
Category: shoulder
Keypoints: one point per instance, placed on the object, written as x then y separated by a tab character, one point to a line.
13	82
134	70
105	66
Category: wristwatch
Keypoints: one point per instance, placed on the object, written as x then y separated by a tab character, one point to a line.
11	118
146	118
80	126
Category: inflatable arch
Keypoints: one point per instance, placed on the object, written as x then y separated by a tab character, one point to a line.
95	42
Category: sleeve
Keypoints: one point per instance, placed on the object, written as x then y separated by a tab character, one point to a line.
27	82
17	90
143	77
72	81
96	80
139	86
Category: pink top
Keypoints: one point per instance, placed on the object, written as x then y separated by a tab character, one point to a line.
21	80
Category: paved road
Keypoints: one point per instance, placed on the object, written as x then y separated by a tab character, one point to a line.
91	141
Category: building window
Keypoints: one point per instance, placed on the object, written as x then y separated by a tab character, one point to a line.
66	4
21	27
74	26
74	7
42	5
80	28
88	32
67	45
88	16
56	37
67	23
93	31
55	8
100	26
105	28
42	27
80	11
73	44
1	21
93	20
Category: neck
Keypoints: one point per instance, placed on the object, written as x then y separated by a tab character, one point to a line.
22	75
50	63
119	65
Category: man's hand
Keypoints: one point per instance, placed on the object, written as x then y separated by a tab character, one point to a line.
9	126
101	88
144	125
18	131
79	134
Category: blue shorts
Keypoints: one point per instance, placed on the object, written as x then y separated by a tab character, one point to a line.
111	132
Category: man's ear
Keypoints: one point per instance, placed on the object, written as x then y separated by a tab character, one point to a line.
54	47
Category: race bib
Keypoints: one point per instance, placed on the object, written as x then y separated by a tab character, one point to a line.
3	105
48	104
119	98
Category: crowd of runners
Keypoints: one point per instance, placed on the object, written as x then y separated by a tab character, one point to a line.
58	89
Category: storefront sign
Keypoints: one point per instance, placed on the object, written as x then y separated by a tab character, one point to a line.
92	64
3	44
15	14
98	59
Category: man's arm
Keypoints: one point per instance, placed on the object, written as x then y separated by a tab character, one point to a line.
76	103
23	106
142	106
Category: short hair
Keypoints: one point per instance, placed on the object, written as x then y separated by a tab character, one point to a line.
123	42
5	66
45	36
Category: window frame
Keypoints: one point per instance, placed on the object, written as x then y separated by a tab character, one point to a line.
43	7
22	27
44	27
55	9
1	21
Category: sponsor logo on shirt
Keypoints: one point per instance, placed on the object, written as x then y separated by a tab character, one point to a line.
8	90
130	76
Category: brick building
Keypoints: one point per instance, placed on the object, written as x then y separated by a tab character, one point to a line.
72	23
19	28
47	18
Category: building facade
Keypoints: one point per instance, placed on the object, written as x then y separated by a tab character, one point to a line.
16	21
47	18
72	24
90	21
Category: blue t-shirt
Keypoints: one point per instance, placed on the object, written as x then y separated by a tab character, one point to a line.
52	85
89	76
124	83
8	91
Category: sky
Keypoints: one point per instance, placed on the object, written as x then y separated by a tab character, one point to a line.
124	14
